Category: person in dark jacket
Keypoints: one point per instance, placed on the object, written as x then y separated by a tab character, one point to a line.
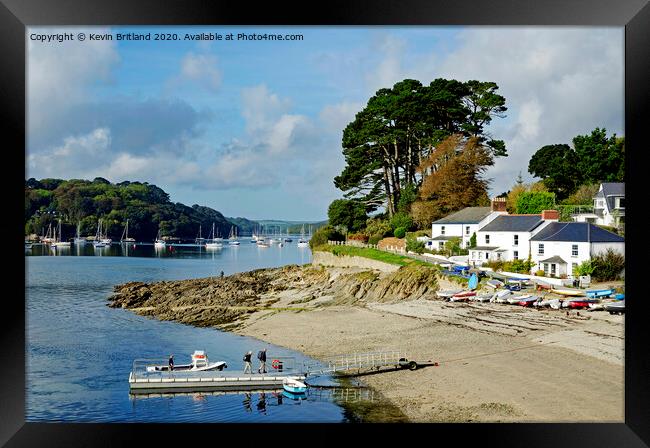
262	357
248	368
171	362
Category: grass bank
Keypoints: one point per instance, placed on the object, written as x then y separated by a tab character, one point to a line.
373	254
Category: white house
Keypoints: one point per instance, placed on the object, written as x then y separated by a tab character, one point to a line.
560	247
609	206
464	223
507	237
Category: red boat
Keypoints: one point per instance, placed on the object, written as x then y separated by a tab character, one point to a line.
462	296
579	304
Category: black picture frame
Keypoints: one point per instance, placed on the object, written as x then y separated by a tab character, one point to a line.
634	15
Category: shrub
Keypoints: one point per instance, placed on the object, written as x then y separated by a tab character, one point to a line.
496	265
413	245
325	234
584	268
400	232
374	239
401	219
608	265
378	227
540	273
472	240
519	266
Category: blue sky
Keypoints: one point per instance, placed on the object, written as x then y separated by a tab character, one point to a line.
253	128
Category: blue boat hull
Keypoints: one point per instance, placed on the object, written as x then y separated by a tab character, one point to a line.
295	390
600	293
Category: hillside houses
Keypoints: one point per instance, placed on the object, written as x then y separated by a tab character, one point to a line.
608	208
554	247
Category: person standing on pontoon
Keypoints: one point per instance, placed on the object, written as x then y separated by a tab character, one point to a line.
248	368
262	357
171	362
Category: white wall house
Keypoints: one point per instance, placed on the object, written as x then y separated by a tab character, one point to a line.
507	237
560	247
464	224
609	206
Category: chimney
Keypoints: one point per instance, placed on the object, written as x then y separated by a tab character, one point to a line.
499	204
550	215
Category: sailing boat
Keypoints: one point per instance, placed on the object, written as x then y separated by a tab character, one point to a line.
213	243
125	234
302	242
199	239
159	243
287	239
105	239
48	237
57	239
233	236
98	238
78	239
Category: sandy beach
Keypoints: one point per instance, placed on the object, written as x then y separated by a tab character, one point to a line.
496	362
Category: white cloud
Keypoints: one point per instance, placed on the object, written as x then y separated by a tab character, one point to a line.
201	68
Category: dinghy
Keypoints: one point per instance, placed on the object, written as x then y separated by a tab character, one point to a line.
447	293
580	303
513	287
294	386
597	293
556	304
462	296
619	296
528	301
568	291
483	297
616	307
501	296
539	285
494	284
514	300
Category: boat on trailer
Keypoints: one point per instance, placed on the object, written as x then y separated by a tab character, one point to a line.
199	363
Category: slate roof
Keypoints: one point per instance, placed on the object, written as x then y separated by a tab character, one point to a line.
443	238
513	223
576	232
555	259
484	248
468	215
609	191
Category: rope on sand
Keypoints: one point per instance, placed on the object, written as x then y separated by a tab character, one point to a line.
497	353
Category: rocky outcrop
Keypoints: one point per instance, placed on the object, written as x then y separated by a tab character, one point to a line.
227	301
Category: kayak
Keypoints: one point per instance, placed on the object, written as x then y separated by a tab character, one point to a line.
596	293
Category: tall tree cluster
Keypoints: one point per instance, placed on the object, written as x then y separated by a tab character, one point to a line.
400	127
594	158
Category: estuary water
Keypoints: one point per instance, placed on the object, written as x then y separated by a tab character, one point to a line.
79	352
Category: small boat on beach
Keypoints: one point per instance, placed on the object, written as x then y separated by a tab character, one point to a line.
494	284
292	385
619	296
462	296
599	293
581	303
501	296
527	301
540	285
447	293
199	363
567	291
616	307
482	297
512	286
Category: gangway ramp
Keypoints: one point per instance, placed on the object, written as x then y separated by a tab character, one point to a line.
356	363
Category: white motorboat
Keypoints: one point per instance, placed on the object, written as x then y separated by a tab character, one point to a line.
199	363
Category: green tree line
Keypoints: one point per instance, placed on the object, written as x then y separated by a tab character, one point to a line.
85	202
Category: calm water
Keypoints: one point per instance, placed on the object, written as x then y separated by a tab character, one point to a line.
80	352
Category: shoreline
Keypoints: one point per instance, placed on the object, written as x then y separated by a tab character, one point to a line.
496	362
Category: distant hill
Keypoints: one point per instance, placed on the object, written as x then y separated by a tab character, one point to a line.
290	226
146	206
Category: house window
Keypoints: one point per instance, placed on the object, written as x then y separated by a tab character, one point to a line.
487	255
442	230
540	249
498	255
515	255
441	245
552	268
516	243
466	230
487	239
546	268
621	202
574	250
